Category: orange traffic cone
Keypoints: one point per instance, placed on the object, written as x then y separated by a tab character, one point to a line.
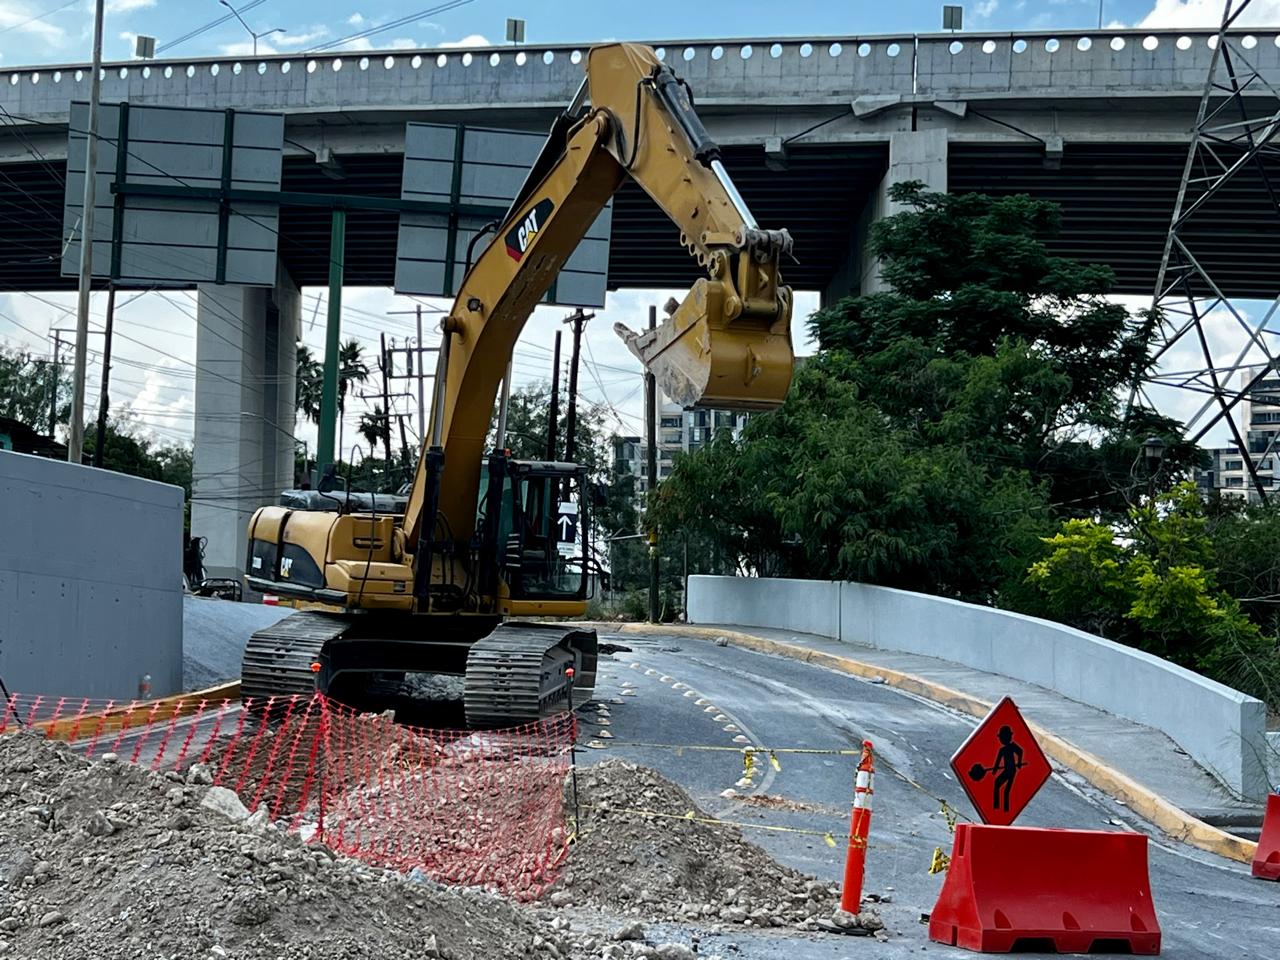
859	829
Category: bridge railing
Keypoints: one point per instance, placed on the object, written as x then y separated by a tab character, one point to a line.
740	72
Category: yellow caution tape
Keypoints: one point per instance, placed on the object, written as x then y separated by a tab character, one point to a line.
940	861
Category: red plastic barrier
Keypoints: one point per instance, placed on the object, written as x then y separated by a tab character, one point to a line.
1266	862
1073	891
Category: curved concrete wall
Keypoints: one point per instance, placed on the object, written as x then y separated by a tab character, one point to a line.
1223	729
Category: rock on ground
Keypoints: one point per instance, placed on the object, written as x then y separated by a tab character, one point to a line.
107	859
673	868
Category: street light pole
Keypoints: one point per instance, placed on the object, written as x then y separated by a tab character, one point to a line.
75	433
236	14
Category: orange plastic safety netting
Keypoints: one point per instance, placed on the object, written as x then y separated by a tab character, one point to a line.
463	807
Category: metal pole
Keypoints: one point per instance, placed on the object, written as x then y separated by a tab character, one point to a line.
553	417
442	374
332	346
383	363
422	406
503	404
54	370
75	438
101	441
579	320
651	421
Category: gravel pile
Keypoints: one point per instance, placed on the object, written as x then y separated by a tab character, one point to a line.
663	865
106	859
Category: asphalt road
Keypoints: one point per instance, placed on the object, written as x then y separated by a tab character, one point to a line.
1208	907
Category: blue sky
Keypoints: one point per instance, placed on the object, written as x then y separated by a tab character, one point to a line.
48	31
154	372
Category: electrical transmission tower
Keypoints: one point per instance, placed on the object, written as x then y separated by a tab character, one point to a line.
1232	160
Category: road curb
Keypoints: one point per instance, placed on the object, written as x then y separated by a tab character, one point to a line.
1171	819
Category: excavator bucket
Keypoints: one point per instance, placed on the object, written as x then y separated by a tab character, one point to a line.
701	359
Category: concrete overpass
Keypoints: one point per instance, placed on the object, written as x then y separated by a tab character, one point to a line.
815	129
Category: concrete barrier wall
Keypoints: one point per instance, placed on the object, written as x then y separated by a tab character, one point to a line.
90	580
1223	729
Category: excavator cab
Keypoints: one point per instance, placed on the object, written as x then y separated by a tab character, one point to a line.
534	513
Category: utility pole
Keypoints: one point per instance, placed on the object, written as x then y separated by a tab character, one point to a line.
579	320
651	421
101	441
422	407
75	438
329	422
384	361
54	373
553	418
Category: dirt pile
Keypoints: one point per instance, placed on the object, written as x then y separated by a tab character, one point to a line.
661	864
106	859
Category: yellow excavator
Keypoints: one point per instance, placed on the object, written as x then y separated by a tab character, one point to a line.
434	588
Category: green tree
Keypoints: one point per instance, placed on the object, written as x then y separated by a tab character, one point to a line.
945	423
352	369
1151	581
27	385
1246	543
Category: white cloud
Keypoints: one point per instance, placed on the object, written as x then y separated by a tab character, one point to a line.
984	8
245	48
20	18
1207	13
128	6
471	40
310	35
355	19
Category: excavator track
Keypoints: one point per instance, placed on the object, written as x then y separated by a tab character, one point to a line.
517	673
277	661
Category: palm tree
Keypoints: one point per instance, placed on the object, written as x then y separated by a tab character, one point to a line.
373	427
351	369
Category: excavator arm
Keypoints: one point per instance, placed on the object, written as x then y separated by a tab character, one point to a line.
726	345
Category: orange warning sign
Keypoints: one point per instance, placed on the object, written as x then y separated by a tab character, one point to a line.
1000	766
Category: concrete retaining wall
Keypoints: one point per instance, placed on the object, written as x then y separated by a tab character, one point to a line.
1223	729
90	580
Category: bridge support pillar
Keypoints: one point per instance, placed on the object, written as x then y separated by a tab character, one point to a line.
244	411
913	155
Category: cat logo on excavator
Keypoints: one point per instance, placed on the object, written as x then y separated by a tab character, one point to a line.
521	235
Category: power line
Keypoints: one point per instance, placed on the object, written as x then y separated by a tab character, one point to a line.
208	26
391	25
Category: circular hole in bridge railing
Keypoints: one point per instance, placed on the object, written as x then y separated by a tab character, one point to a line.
311	66
1117	44
35	76
1051	45
806	49
214	70
262	69
549	57
1084	43
689	54
57	76
1249	42
466	59
1019	46
364	63
1150	42
988	47
954	47
191	72
494	59
1183	43
864	49
168	72
717	52
1212	42
775	50
146	73
835	50
521	59
123	73
337	64
745	51
388	63
236	68
286	66
441	61
893	49
575	57
13	79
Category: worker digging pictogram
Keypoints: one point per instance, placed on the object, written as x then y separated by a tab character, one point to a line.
1000	765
